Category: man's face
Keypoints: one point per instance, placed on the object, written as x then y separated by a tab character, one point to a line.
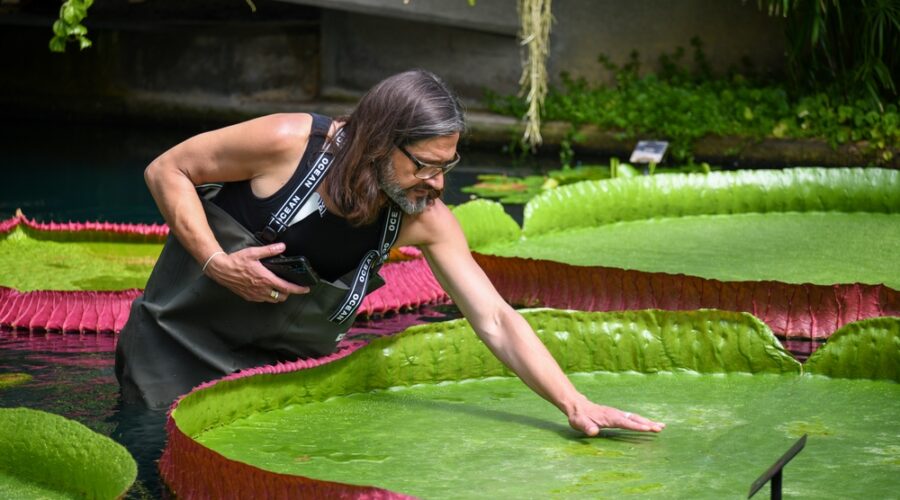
397	177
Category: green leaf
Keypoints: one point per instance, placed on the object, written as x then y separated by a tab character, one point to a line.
69	14
780	129
591	204
59	29
77	30
864	349
57	44
748	113
42	453
8	380
485	222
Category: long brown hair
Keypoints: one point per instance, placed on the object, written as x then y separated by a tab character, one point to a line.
398	111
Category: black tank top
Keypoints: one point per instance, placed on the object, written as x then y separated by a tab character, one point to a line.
332	246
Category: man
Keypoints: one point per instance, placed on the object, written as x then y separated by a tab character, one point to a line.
212	307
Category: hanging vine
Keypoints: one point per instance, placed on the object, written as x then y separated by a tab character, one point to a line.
535	19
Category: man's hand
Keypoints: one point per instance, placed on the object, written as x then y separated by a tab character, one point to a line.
589	418
242	273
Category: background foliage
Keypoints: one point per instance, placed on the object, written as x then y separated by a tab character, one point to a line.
850	45
685	101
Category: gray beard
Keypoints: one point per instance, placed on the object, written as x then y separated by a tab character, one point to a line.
387	181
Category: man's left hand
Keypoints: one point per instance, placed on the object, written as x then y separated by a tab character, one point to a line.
589	418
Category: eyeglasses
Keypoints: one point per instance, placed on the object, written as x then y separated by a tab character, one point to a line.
428	170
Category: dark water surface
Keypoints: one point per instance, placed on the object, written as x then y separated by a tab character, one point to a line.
89	172
73	376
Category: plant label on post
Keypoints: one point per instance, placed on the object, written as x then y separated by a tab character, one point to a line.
649	152
774	472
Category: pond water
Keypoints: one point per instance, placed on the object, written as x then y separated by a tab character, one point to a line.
88	172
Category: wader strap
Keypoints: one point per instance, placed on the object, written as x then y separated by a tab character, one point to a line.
304	189
370	263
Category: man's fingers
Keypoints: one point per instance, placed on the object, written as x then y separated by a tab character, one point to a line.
638	423
262	252
606	417
587	426
646	421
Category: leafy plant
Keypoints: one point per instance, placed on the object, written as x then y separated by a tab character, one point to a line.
849	44
683	103
68	27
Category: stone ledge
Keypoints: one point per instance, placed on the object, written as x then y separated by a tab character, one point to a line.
492	16
734	151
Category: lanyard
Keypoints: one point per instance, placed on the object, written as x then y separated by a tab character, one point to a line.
281	218
371	262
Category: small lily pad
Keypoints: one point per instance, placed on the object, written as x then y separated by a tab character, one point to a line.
43	455
8	380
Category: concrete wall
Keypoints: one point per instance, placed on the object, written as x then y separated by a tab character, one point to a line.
359	50
255	60
205	57
365	40
140	60
729	29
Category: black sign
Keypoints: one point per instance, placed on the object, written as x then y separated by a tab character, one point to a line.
774	472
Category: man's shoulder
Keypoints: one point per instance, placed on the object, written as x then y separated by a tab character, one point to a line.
295	126
431	226
281	132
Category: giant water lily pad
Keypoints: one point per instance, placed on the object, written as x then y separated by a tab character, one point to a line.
866	349
29	263
43	455
787	247
821	226
432	413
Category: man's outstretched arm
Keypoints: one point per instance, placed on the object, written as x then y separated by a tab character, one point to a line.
503	330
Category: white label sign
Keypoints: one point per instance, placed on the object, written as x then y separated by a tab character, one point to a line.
649	152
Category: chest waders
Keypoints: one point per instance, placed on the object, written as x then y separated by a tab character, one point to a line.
187	329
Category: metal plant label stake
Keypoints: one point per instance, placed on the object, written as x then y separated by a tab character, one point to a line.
774	472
